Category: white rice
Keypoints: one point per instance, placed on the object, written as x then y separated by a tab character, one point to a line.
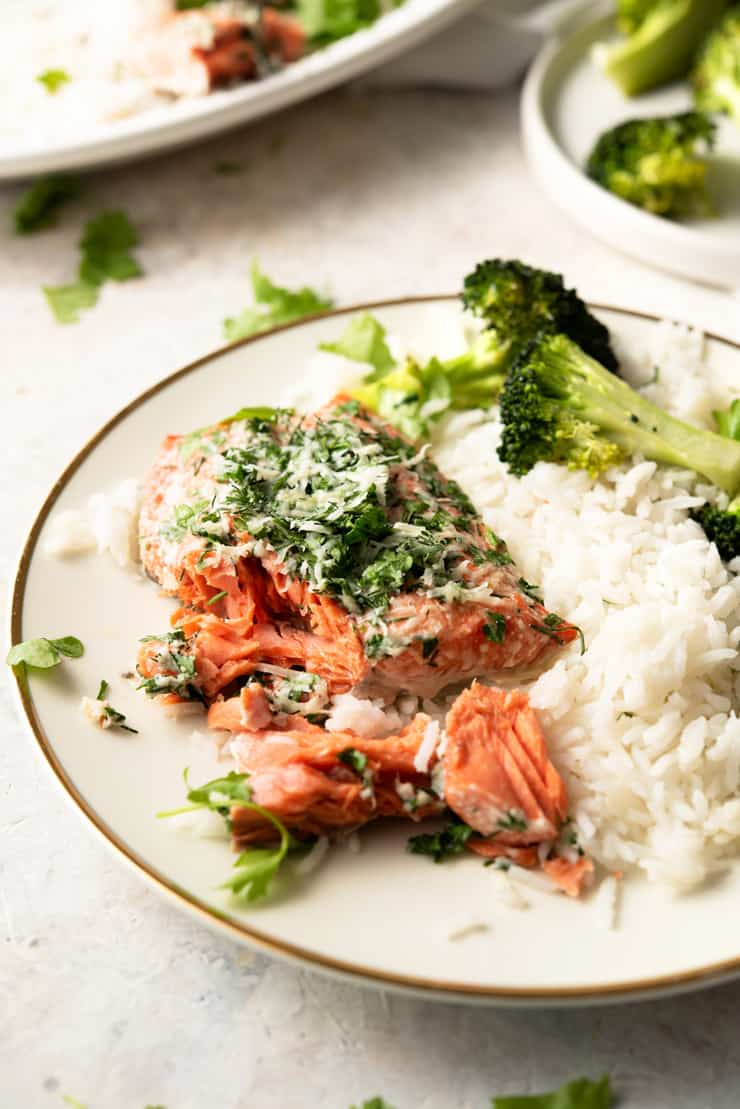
109	523
643	726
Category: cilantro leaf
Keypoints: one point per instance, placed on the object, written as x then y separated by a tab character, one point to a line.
40	203
581	1094
53	79
273	305
105	246
363	340
728	421
67	301
43	654
441	845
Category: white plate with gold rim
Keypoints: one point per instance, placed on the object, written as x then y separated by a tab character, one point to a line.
381	917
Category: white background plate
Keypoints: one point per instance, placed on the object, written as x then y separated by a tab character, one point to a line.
382	916
188	120
568	102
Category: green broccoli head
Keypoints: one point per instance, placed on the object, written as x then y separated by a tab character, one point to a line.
716	75
656	163
559	405
543	420
722	527
519	302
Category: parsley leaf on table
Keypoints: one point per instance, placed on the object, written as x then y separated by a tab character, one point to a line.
40	203
105	249
53	79
43	654
580	1094
373	1103
67	301
273	305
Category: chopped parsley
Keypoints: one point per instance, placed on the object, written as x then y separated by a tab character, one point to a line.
373	1103
513	821
177	674
67	301
331	498
495	627
40	203
110	717
43	654
551	625
255	868
532	591
217	597
273	305
53	80
354	759
451	840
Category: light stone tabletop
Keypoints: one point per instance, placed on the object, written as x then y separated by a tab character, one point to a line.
107	993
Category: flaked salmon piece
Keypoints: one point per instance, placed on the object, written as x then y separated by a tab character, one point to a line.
498	777
331	544
317	782
569	875
189	53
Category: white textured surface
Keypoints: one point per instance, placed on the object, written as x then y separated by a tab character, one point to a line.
107	993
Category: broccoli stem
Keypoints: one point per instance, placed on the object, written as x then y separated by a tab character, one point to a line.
634	423
663	46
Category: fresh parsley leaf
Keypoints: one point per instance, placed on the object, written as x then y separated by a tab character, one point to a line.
581	1094
441	845
102	690
106	249
40	203
256	867
116	719
42	654
53	79
67	301
68	645
363	340
354	759
728	421
374	1103
325	21
495	627
274	305
263	413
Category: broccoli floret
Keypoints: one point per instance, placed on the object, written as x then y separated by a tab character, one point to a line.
663	36
518	302
654	163
722	527
716	75
559	405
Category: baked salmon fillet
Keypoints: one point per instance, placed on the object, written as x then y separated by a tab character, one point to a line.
331	546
